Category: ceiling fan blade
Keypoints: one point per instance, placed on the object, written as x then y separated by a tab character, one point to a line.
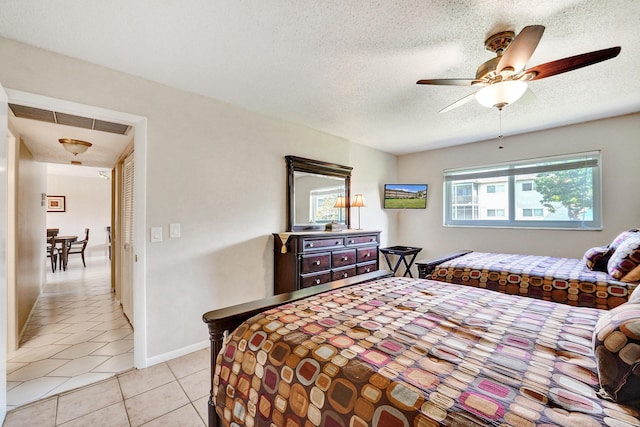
572	63
459	102
521	48
447	82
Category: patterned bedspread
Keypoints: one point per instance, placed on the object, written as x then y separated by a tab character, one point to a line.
565	280
414	353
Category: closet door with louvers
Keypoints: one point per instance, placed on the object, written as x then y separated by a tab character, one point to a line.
127	249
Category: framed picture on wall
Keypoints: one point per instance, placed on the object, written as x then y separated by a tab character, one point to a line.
56	204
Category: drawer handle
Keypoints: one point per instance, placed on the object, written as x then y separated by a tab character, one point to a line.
317	262
351	242
367	270
373	239
345	275
310	245
337	242
367	255
317	281
345	258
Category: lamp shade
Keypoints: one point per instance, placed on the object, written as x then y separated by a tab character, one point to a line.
340	202
358	201
500	94
74	146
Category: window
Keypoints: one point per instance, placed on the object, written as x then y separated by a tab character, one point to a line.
322	203
465	212
532	212
552	192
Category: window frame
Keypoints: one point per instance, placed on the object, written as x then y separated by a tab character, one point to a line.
511	171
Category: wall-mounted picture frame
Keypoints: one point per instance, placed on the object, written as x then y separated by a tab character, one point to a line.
56	204
405	196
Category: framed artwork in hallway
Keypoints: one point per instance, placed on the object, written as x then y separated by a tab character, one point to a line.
56	203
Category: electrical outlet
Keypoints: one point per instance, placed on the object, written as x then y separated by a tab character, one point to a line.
156	234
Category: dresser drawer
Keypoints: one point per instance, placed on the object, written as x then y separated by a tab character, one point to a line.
326	243
343	258
361	240
315	262
343	273
366	268
309	280
367	254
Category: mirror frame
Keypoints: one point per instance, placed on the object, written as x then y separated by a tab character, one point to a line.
300	164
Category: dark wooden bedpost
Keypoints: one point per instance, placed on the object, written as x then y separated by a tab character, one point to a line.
216	337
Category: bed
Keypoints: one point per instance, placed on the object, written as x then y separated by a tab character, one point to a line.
417	352
604	278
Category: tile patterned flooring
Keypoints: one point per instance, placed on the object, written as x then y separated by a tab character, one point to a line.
77	336
174	393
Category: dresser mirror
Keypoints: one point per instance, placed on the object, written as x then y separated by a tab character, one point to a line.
313	188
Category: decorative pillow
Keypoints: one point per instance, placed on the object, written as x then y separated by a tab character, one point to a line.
597	258
621	238
616	346
624	264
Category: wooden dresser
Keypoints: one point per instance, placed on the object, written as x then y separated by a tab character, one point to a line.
305	259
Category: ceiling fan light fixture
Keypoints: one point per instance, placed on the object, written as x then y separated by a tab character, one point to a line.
500	94
74	146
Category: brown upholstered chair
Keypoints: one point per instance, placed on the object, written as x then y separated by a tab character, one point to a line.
78	247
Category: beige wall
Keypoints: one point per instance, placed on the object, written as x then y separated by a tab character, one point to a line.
30	234
217	170
617	138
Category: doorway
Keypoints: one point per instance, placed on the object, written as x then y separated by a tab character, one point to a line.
139	127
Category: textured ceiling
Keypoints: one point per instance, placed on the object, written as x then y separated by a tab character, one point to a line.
349	67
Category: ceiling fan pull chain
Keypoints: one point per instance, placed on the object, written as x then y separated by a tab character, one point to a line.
500	134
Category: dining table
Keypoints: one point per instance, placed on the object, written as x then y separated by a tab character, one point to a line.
64	253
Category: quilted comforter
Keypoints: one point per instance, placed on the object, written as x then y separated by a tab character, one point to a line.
565	280
414	352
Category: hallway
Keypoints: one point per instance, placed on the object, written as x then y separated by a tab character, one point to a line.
77	335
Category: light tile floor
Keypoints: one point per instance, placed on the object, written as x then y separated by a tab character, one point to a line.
77	335
174	393
75	363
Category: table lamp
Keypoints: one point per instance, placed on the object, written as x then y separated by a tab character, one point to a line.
358	202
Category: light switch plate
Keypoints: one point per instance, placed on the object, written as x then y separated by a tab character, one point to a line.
156	234
174	230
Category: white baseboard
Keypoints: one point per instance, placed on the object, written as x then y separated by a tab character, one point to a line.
177	353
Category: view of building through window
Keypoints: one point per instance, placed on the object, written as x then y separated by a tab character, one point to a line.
322	205
553	190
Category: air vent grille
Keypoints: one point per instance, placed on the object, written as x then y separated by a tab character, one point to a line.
76	121
31	113
110	127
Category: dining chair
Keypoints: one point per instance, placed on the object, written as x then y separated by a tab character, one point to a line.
51	252
78	247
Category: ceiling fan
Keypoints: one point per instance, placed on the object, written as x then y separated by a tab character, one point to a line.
504	78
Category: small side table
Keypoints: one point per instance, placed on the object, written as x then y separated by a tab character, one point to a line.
402	252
